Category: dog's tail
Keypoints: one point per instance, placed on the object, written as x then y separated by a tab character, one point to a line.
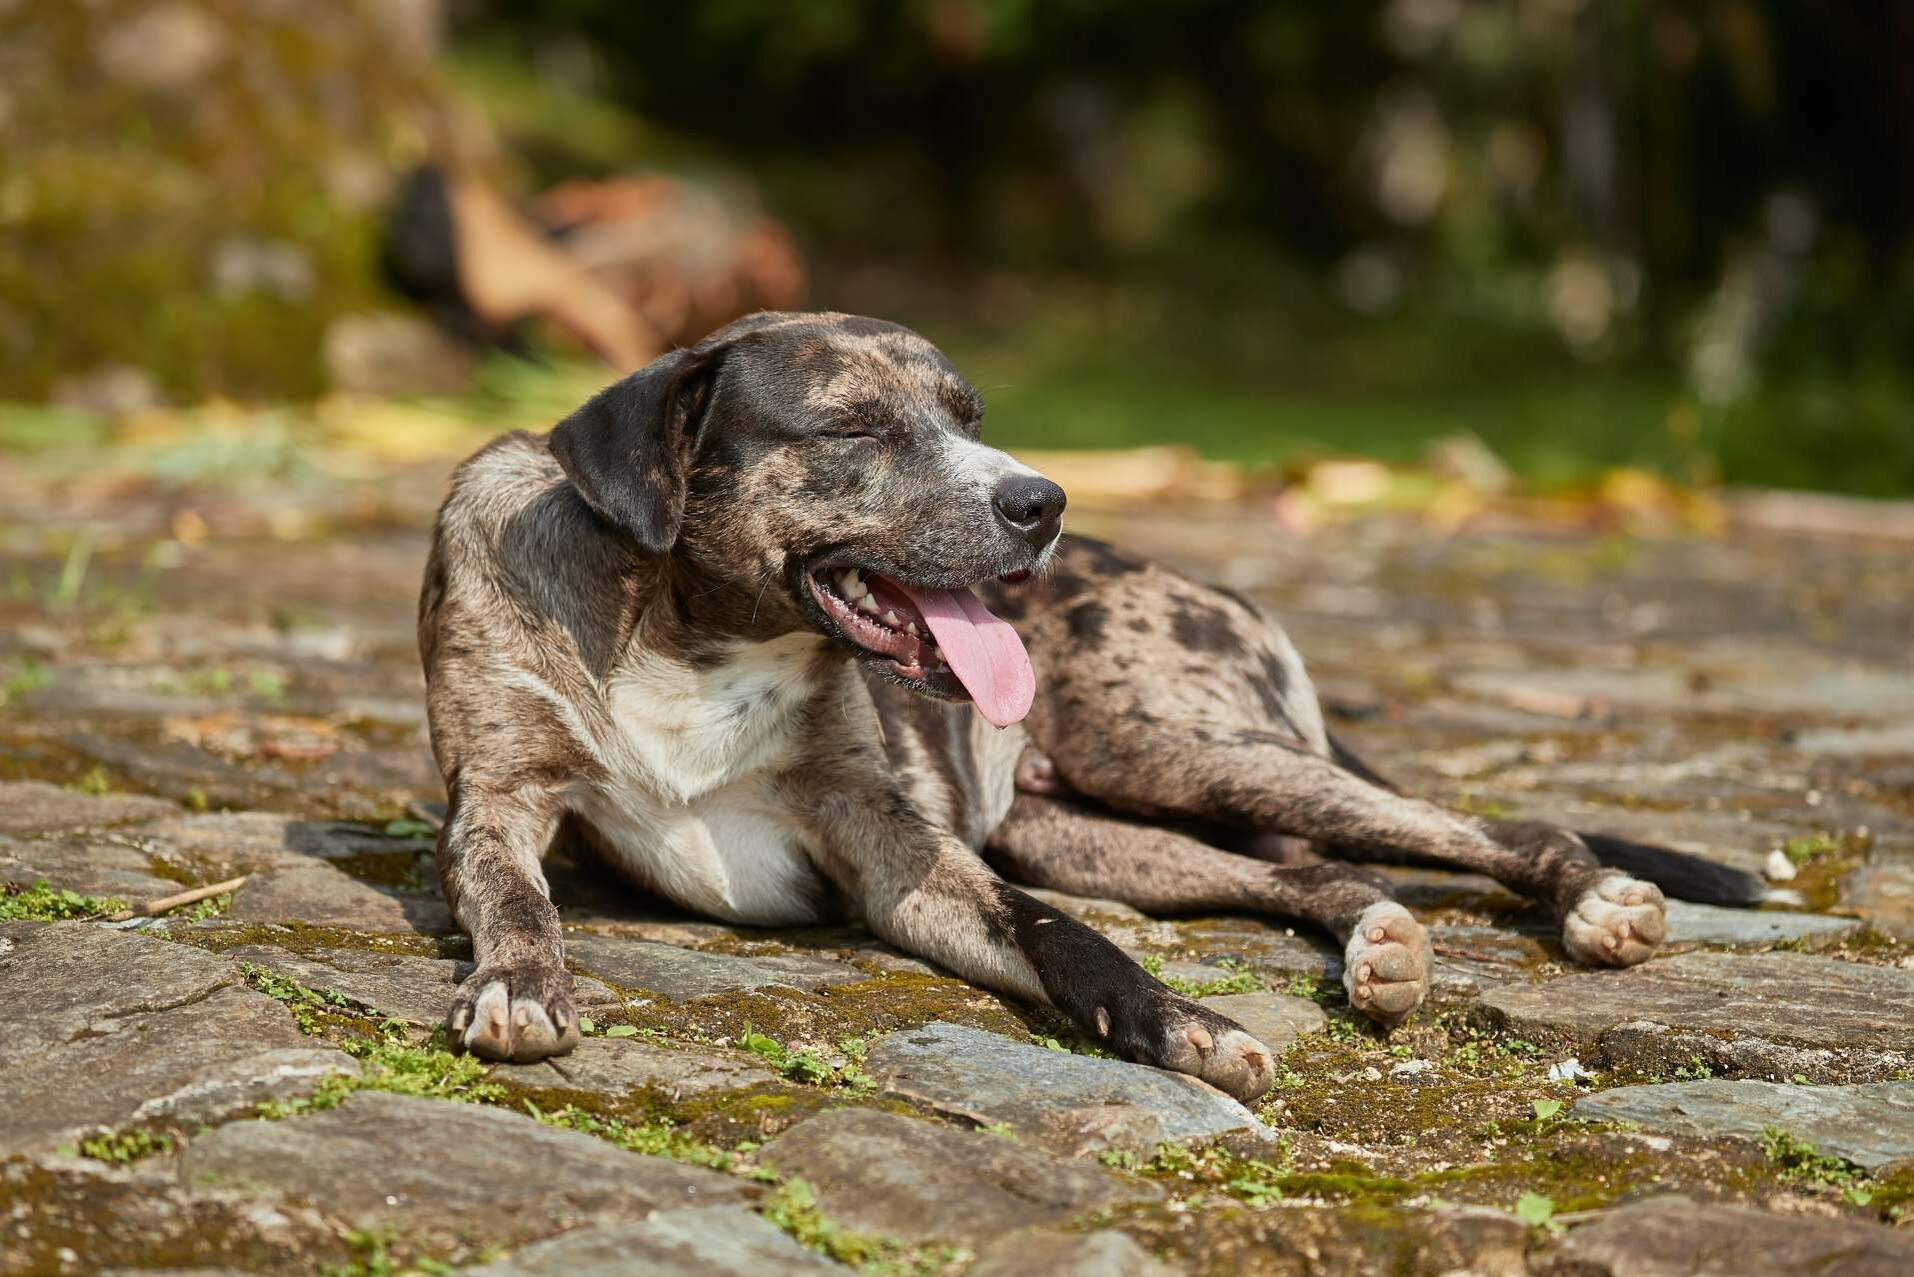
1677	873
1681	875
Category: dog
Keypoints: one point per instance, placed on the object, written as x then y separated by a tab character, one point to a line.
771	629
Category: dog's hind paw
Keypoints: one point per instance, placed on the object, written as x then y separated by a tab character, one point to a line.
1617	922
519	1013
1387	963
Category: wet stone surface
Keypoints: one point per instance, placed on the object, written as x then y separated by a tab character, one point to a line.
214	1090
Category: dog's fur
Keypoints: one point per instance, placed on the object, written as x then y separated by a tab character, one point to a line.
622	643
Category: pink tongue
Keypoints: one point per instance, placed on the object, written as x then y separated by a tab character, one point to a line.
984	652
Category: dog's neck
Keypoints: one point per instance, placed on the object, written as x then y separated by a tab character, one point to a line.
703	622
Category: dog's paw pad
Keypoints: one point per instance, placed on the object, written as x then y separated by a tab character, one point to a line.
1618	922
1227	1057
1387	963
518	1014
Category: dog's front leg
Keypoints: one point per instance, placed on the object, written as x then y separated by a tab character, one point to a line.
518	1004
928	893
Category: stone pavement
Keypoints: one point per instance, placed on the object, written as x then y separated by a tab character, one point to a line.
205	679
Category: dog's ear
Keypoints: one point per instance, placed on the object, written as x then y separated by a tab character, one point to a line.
627	450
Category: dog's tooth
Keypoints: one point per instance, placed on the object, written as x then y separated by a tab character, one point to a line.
910	628
868	603
890	618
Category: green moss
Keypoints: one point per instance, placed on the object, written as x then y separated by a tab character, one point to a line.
306	939
64	1213
407	872
44	903
172	871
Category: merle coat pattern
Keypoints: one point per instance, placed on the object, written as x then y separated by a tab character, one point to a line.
641	630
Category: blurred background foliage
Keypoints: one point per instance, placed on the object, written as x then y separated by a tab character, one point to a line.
1670	234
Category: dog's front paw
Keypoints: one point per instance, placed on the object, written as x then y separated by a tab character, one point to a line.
1615	922
1387	963
517	1013
1176	1033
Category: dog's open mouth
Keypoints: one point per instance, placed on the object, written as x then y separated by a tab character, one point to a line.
944	639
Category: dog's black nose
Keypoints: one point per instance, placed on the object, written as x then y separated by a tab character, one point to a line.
1032	506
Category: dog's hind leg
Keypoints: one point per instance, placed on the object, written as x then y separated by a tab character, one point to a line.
1264	780
1050	842
518	1004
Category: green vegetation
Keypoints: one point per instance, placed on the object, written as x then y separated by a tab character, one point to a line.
122	1147
1800	851
1534	1209
794	1209
30	677
660	1137
1236	978
43	903
372	1256
808	1065
1801	1163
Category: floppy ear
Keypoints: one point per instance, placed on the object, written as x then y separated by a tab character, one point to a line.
627	449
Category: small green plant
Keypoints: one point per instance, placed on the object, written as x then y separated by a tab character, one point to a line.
30	677
211	907
267	686
1800	851
1256	1184
123	1147
806	1065
1695	1070
95	783
1534	1209
372	1257
196	799
1545	1109
1235	978
304	1003
408	828
794	1209
1801	1163
44	903
1305	986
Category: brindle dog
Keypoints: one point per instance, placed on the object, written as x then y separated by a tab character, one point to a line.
720	626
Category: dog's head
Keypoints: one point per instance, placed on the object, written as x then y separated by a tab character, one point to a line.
825	471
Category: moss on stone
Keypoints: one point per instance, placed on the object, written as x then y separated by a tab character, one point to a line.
307	939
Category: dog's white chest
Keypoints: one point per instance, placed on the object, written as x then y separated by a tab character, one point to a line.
689	804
